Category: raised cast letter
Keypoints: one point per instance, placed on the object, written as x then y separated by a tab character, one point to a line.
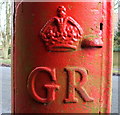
50	87
72	87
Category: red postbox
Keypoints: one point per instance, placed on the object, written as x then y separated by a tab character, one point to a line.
62	54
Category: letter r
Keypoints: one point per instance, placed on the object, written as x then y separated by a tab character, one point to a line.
71	85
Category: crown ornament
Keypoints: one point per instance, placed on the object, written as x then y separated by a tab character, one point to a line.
62	32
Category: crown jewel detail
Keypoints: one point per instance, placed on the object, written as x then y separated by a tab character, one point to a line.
62	32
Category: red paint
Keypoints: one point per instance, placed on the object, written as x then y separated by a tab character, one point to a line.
72	85
39	66
62	32
50	87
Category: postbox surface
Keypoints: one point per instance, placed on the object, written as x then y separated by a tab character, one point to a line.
62	57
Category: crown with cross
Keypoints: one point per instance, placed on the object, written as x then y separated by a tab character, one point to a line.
62	32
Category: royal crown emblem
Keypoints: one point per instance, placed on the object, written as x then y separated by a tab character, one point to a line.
62	32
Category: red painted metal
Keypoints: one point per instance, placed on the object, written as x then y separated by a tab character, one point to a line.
62	57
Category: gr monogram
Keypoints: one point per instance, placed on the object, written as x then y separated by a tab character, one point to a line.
53	87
